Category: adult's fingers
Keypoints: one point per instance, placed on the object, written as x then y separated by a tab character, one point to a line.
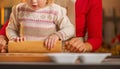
73	40
68	47
69	43
79	46
4	42
66	43
82	48
74	44
3	51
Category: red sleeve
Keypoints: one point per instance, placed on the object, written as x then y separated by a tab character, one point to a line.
2	31
118	36
93	21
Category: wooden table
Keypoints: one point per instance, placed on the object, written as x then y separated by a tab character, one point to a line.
109	63
24	57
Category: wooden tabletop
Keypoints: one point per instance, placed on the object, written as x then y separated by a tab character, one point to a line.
24	57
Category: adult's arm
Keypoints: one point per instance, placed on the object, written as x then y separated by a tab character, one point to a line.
3	29
93	20
3	38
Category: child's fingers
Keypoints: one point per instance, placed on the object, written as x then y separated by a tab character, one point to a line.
46	43
22	39
54	43
18	39
50	43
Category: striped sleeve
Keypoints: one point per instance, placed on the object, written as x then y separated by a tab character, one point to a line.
66	28
12	28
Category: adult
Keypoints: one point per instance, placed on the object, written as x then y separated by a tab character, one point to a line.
88	19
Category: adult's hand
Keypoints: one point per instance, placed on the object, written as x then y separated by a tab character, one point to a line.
76	45
3	41
3	49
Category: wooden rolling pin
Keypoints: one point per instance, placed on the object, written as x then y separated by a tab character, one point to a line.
32	47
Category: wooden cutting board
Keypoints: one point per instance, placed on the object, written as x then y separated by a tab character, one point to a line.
32	47
24	57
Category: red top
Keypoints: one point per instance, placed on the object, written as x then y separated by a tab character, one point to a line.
89	18
118	36
2	30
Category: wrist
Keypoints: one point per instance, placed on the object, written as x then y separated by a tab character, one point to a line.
88	47
3	37
57	36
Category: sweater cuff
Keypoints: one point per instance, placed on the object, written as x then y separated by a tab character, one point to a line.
12	38
60	35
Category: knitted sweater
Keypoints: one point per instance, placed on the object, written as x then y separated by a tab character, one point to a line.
70	6
39	24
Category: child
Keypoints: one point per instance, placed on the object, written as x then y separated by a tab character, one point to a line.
40	20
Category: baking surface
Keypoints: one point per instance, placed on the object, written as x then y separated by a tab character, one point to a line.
24	57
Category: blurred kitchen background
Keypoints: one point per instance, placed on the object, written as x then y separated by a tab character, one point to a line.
111	23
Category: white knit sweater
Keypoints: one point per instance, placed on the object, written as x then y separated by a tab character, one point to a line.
70	6
39	24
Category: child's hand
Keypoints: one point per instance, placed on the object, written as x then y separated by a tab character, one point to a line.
19	39
51	41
